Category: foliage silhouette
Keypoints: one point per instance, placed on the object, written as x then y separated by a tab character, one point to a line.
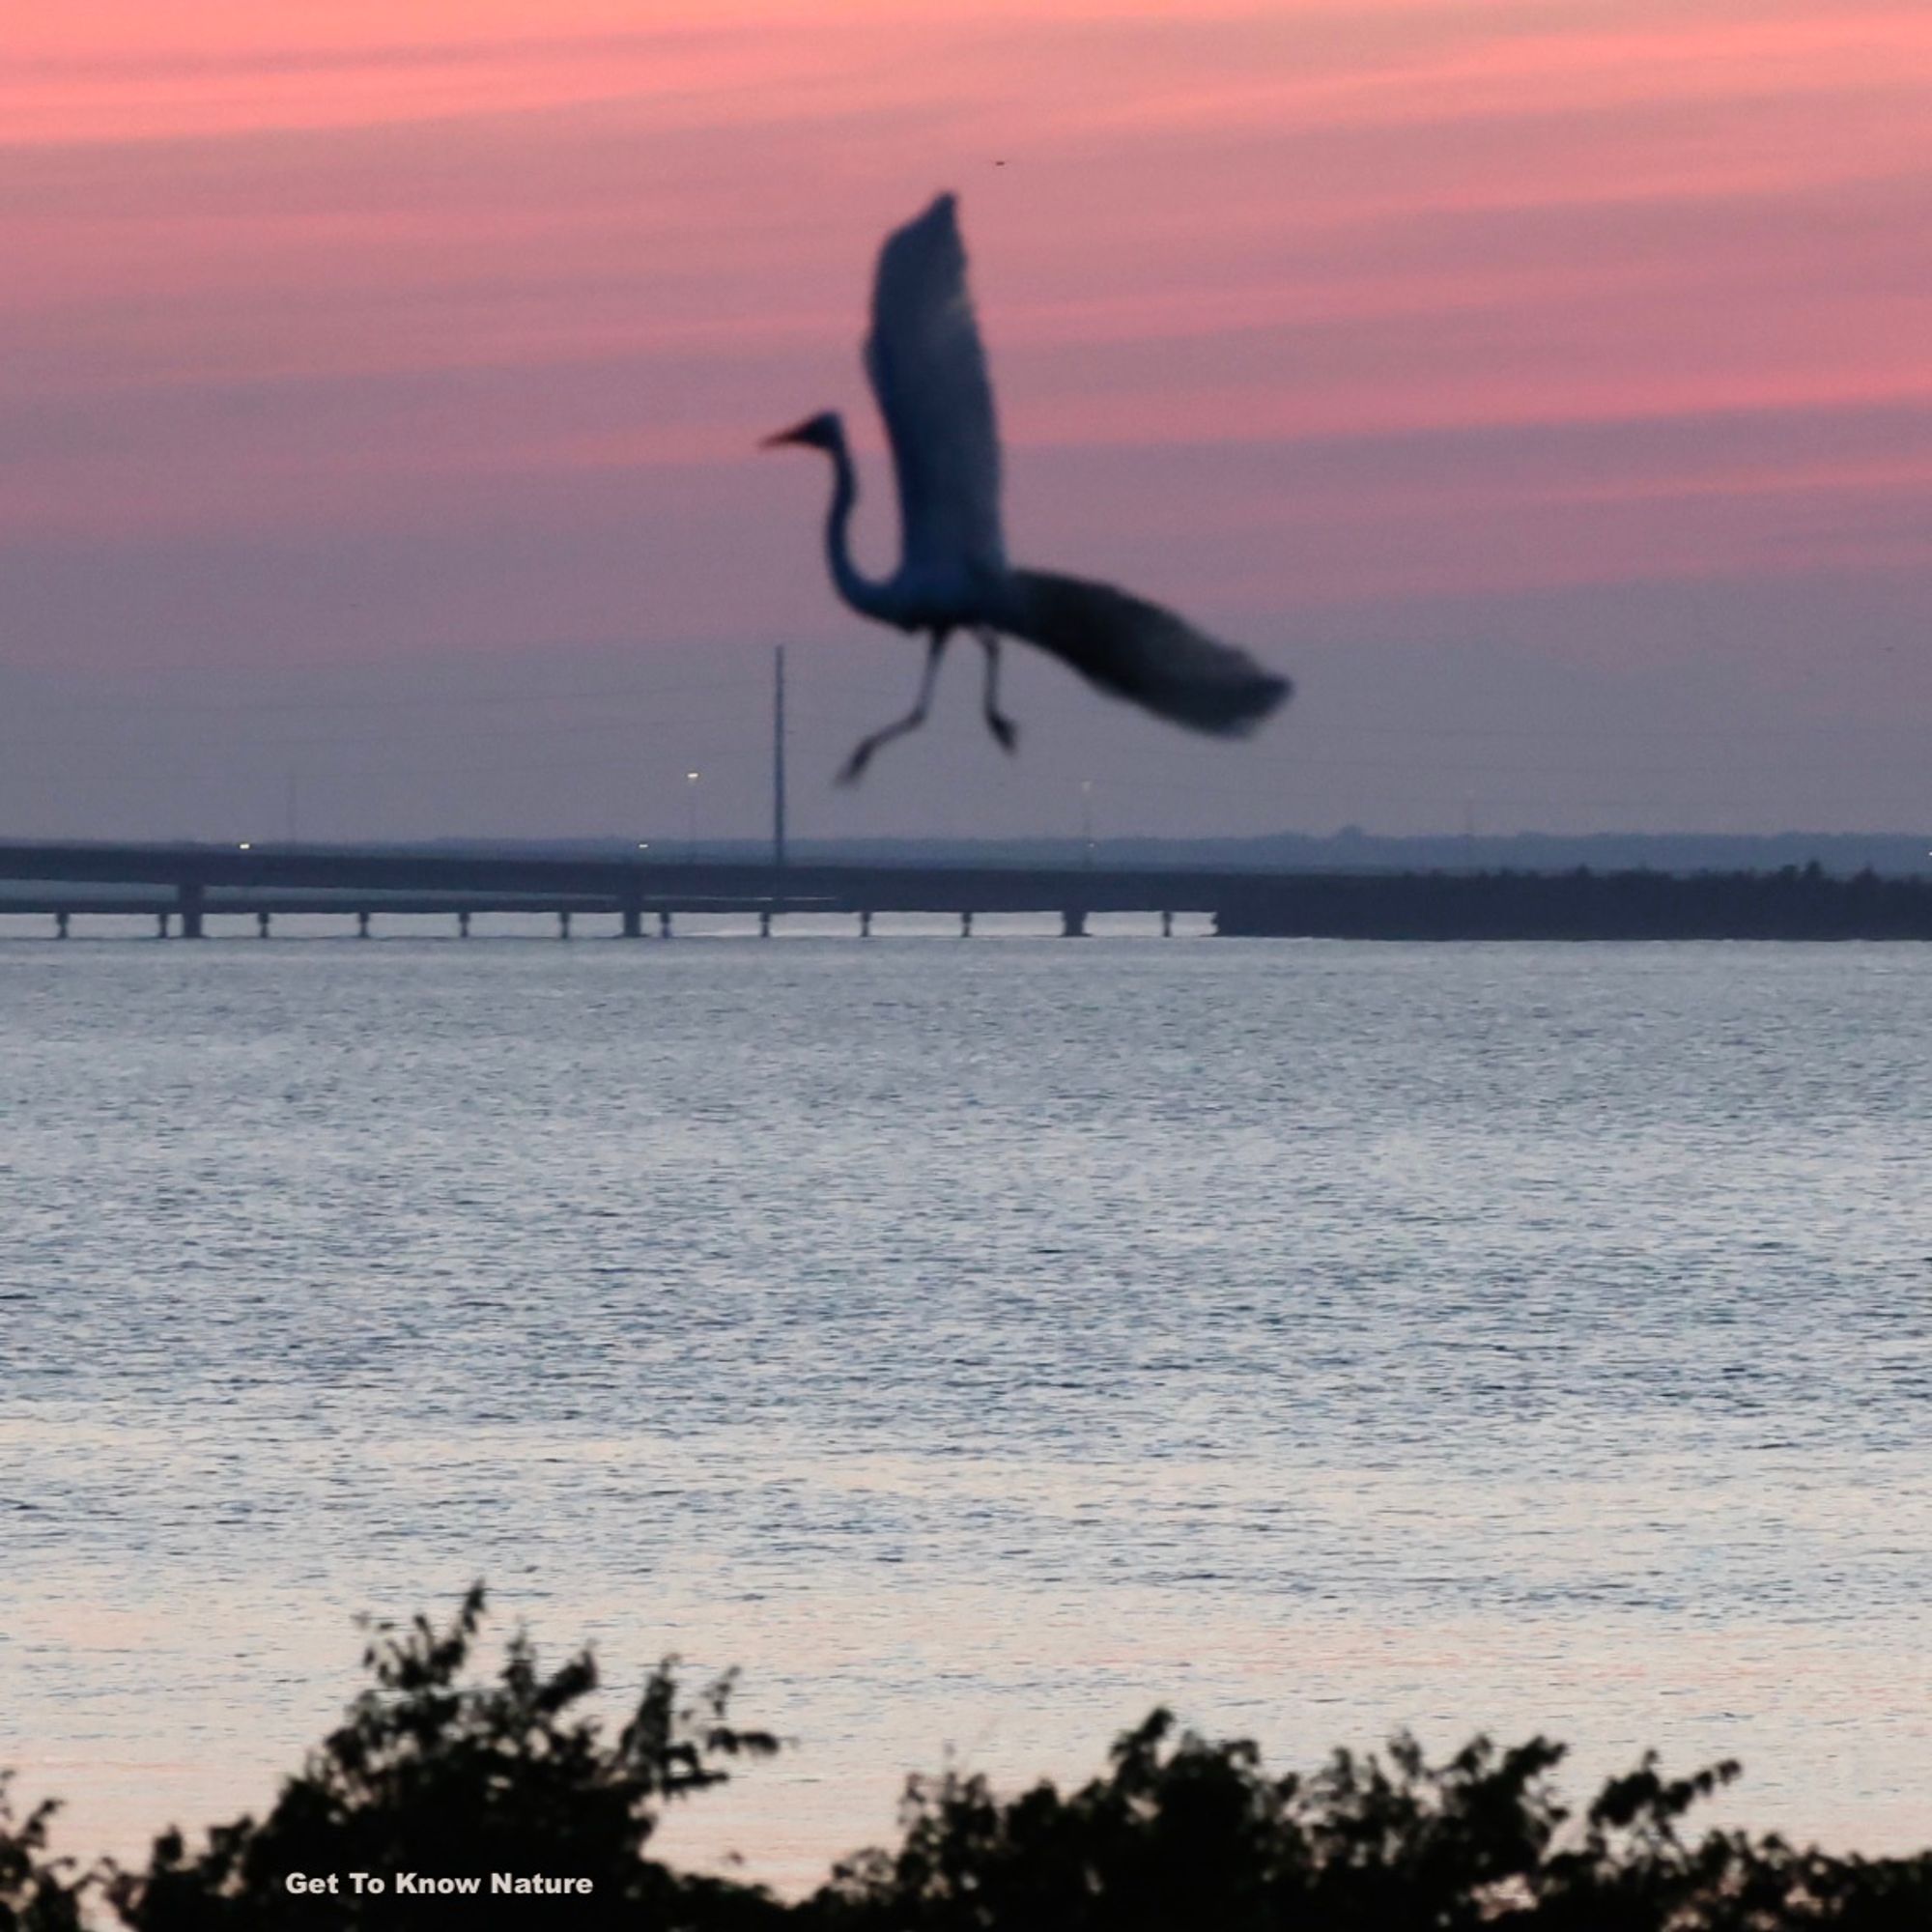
38	1894
435	1776
435	1771
1184	1833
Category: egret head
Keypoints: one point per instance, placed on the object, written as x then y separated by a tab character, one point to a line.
821	432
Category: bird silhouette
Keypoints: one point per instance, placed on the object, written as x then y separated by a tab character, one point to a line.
929	371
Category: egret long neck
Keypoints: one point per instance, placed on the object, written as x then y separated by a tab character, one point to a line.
858	592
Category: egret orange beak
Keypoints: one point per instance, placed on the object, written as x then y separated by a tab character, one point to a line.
795	434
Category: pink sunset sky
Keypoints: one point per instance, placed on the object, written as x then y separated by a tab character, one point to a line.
1546	385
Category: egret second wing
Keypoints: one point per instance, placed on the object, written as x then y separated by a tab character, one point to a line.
1140	652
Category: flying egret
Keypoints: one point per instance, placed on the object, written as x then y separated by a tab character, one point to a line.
928	372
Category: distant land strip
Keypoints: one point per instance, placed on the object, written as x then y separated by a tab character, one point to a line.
194	881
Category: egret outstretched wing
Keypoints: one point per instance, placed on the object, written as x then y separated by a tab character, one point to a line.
1140	652
928	372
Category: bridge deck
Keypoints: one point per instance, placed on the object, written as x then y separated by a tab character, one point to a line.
455	878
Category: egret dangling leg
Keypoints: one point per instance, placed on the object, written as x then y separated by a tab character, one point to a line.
862	756
998	722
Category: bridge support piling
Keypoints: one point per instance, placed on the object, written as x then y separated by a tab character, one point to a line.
60	926
261	925
160	926
865	926
764	926
361	925
463	925
633	922
965	925
563	925
1074	923
1167	925
664	921
191	896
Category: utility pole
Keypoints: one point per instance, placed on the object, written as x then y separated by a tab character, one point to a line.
779	759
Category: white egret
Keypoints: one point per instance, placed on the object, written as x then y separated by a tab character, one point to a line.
928	372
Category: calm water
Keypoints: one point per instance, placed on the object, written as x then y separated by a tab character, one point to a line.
975	1341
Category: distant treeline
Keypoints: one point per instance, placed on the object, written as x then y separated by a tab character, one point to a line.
444	1800
1889	854
1797	902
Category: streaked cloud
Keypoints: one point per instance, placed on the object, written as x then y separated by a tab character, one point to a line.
1312	307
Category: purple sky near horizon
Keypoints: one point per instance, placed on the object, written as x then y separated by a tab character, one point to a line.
1549	387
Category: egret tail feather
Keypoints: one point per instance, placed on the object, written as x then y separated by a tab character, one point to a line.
1133	649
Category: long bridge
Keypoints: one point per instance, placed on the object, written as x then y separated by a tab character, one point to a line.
181	886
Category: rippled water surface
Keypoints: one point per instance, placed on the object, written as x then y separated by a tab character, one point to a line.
977	1342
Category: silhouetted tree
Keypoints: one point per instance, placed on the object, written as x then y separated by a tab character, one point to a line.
437	1773
435	1776
1183	1832
38	1894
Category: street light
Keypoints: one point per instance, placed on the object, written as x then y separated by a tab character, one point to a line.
1086	816
690	817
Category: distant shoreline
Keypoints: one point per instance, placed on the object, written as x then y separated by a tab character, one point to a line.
182	886
1795	904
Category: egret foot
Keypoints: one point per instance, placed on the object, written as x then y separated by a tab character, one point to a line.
861	755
